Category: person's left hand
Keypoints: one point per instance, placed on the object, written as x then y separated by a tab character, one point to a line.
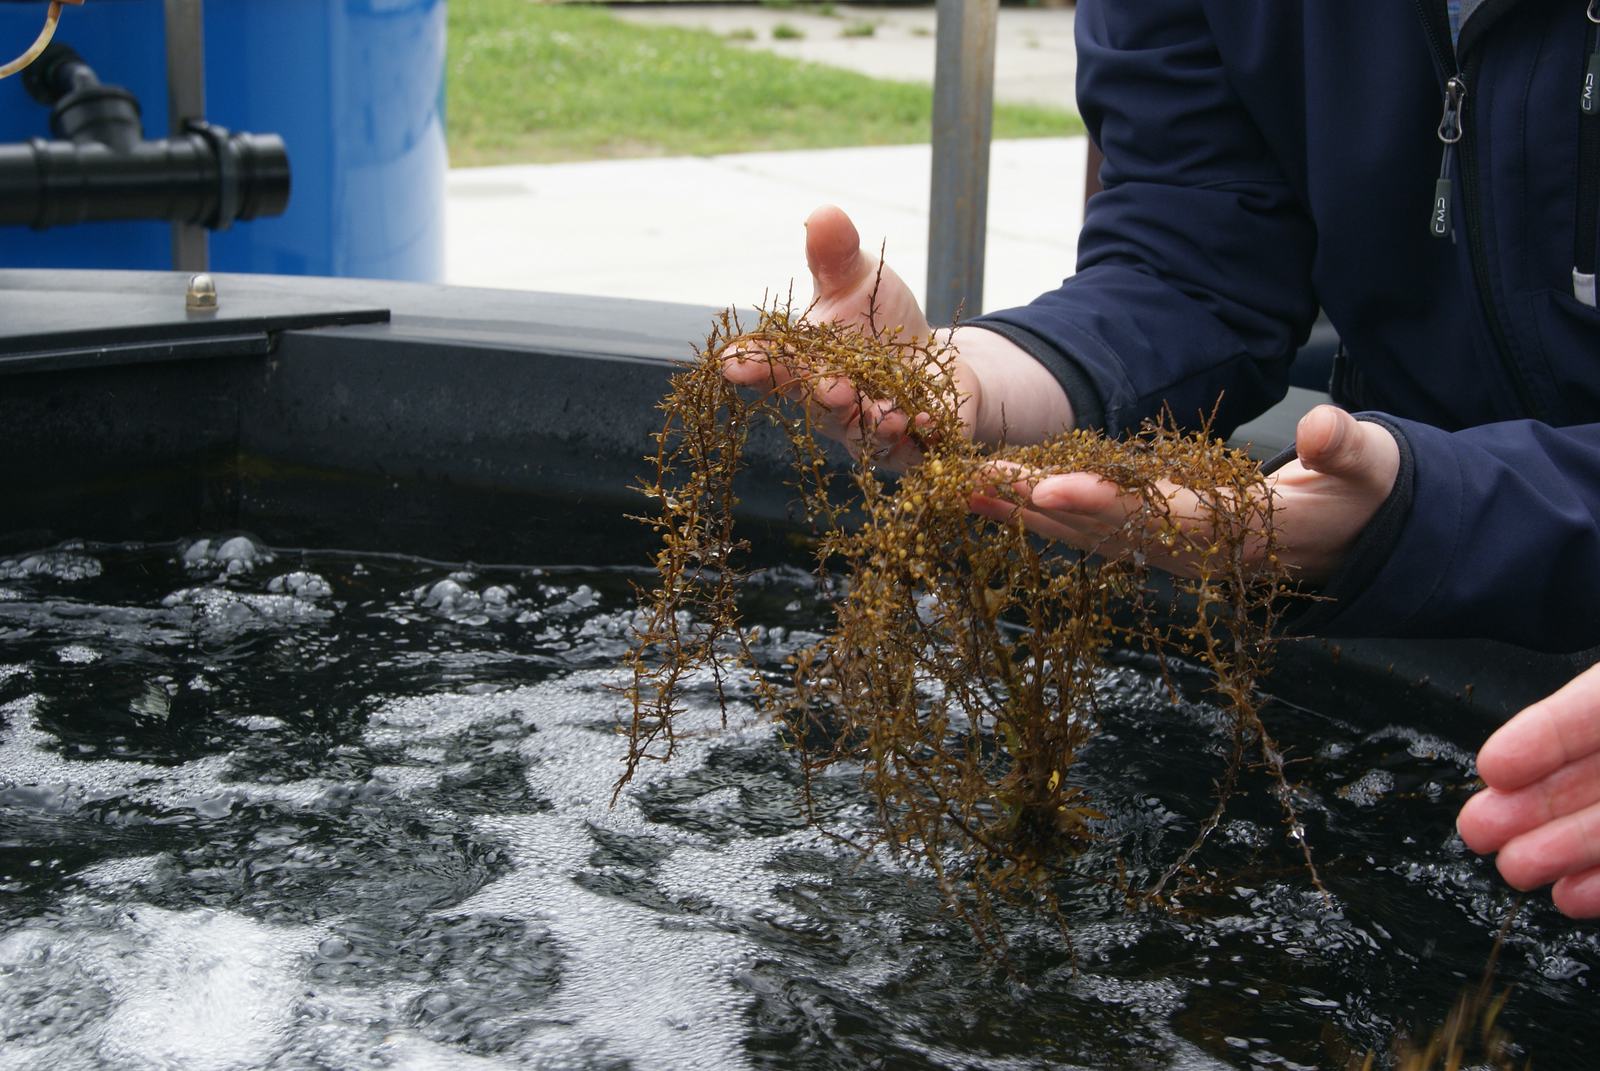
1344	471
1541	811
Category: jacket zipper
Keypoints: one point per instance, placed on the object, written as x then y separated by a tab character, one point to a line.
1441	223
1583	255
1436	24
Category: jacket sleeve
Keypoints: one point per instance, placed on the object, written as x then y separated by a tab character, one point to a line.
1490	532
1193	279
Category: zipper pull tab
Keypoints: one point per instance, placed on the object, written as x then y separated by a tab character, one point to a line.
1455	100
1440	223
1590	100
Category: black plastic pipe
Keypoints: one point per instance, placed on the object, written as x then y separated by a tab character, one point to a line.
100	167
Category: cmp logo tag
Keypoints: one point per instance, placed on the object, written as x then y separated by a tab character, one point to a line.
1590	104
1439	223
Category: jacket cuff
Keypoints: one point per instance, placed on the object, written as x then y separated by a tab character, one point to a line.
1372	550
1088	408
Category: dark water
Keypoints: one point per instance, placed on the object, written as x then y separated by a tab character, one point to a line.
307	809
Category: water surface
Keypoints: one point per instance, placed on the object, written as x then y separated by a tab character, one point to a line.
293	809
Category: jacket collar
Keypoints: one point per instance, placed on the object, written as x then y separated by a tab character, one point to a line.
1476	18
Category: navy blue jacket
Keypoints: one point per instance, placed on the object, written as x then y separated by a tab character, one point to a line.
1267	156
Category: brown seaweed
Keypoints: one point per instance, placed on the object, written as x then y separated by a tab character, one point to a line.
959	672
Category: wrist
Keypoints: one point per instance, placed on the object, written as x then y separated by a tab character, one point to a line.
1014	398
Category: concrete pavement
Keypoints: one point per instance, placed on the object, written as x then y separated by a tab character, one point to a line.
725	229
1035	61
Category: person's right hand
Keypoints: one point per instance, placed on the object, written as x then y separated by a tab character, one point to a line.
844	277
1003	392
850	287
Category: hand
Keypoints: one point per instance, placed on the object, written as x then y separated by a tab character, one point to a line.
1002	389
844	277
1541	811
1344	471
853	288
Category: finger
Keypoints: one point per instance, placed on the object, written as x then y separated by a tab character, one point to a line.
1017	483
1553	732
1096	539
1568	845
834	254
887	420
1103	511
994	509
1008	491
751	362
840	397
755	370
1093	514
1331	441
1006	511
836	424
1578	895
902	455
836	409
1493	817
1006	482
999	471
1325	440
897	456
1082	493
872	419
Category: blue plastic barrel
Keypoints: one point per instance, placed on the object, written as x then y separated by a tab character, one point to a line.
354	87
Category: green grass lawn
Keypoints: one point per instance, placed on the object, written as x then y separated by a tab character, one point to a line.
530	83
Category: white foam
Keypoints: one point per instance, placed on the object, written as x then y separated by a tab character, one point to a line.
200	990
1368	789
1421	745
28	757
57	564
631	988
305	585
406	780
119	875
205	990
656	990
233	556
223	610
455	599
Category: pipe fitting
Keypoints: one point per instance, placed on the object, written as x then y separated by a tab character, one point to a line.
100	167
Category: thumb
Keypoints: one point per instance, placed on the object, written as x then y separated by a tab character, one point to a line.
833	252
1331	441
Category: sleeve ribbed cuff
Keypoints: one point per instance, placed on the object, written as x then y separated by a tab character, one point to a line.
1087	406
1372	549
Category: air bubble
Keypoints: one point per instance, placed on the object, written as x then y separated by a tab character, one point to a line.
54	564
301	584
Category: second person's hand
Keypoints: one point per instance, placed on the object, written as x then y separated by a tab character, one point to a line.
1541	809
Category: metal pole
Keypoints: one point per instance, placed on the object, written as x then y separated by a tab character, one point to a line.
186	100
963	112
